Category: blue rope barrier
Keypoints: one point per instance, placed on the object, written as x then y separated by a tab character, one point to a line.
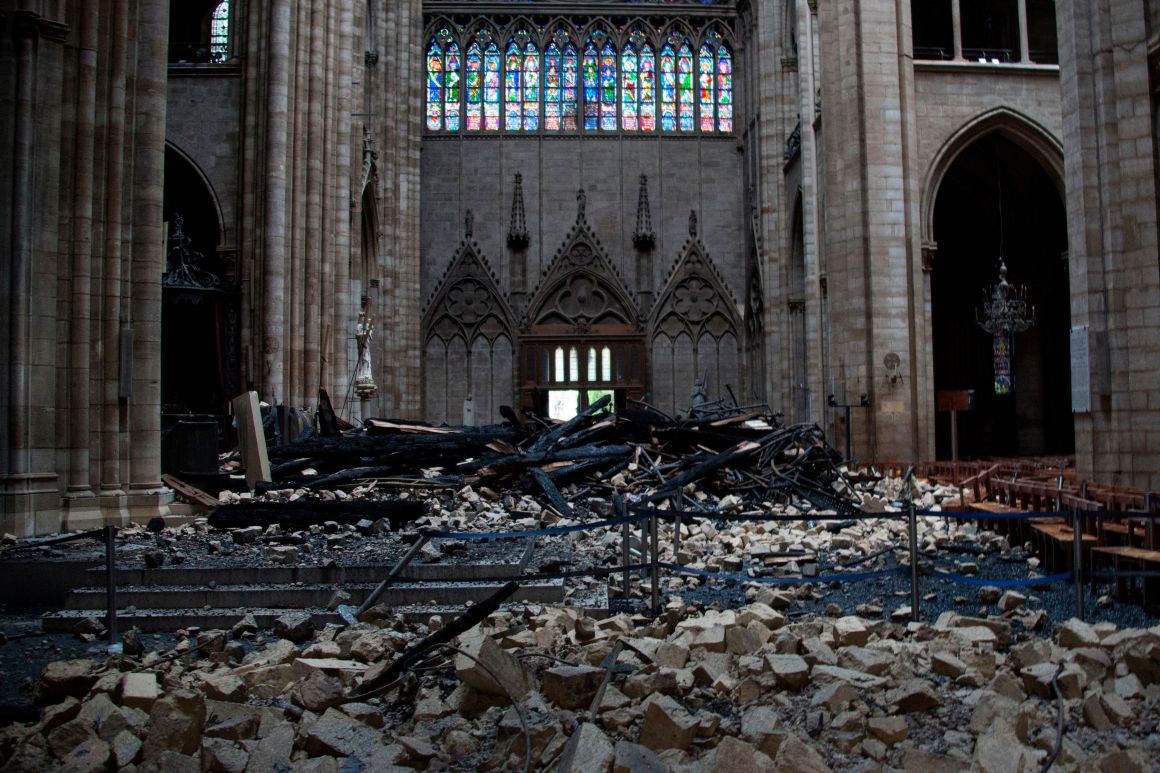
853	577
979	583
634	518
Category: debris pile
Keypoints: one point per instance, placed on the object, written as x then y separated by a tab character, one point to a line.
694	689
643	454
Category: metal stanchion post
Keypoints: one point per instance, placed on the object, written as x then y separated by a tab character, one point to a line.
111	582
912	528
625	547
676	502
1077	559
656	568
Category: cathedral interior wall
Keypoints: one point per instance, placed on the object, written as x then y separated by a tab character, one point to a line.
704	175
205	124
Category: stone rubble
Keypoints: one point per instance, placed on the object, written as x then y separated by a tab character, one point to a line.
695	689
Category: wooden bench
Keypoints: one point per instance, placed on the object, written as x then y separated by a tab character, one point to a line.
1136	558
1054	537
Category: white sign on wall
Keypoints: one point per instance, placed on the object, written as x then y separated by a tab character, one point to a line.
1081	375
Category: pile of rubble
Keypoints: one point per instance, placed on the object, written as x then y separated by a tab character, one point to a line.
694	689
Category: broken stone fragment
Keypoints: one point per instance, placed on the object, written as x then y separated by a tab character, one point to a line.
1011	600
1077	633
175	724
587	750
224	687
634	758
667	725
484	655
851	631
888	730
139	690
791	671
318	692
64	678
571	687
796	756
913	695
294	626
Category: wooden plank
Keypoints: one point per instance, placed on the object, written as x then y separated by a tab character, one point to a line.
192	493
1134	554
251	438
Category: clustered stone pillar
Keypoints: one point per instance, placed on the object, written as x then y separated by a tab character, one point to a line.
83	89
296	214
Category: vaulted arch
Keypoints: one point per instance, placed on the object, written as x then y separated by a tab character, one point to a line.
695	330
467	330
583	335
1015	126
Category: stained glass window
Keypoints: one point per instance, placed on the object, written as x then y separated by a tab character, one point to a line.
724	90
491	89
591	87
553	87
668	89
513	93
560	85
648	90
629	93
219	33
608	87
685	87
451	88
531	87
1002	354
474	88
434	87
705	71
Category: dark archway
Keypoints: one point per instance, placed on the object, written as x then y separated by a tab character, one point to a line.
200	323
996	199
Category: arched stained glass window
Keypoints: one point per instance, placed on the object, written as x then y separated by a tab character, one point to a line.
608	87
629	90
668	89
434	86
513	92
706	68
491	89
474	88
219	33
531	87
451	74
560	87
724	90
648	90
591	87
685	101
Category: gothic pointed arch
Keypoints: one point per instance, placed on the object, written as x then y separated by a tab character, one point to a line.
694	331
581	289
583	334
468	336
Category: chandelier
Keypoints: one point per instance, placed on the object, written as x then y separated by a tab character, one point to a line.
1005	310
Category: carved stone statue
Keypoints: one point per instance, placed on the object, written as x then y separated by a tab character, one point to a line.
468	224
364	382
693	223
699	394
581	203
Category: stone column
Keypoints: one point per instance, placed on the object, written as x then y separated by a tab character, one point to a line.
80	334
1024	51
274	228
111	487
957	27
147	496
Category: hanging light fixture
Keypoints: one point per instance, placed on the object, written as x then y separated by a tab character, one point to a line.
1005	308
1004	312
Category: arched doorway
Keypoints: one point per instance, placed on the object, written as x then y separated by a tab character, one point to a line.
997	200
200	323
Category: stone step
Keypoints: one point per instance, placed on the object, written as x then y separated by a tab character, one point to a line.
303	596
274	575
